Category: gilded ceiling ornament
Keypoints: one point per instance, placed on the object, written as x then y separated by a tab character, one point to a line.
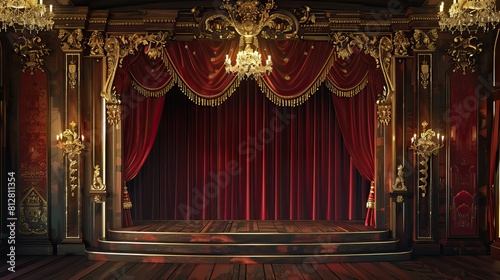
346	43
424	41
304	15
464	52
96	43
71	40
401	43
32	52
249	18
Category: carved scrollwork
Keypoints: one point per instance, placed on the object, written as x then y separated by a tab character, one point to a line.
96	43
71	40
32	53
117	47
424	41
249	18
464	52
401	43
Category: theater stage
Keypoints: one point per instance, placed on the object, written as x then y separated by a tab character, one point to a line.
237	241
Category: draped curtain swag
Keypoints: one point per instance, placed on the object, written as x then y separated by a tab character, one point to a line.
197	67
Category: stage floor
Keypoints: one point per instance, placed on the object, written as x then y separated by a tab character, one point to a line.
250	226
241	241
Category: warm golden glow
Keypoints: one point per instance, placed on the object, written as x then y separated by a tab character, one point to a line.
28	15
71	145
425	146
466	14
248	64
248	18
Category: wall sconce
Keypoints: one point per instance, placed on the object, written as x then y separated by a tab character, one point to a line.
71	145
427	145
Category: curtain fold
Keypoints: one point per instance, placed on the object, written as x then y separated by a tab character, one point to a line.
249	159
356	114
299	68
198	69
140	118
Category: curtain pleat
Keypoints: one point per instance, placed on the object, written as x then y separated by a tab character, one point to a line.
248	159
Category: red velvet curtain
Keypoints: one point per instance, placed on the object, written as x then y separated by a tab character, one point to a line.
197	68
356	114
249	159
140	115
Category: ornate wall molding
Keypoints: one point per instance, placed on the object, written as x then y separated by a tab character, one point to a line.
96	43
32	52
71	40
424	41
464	53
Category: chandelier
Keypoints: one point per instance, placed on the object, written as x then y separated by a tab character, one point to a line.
466	14
28	15
248	62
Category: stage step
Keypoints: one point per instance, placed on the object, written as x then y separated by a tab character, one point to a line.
248	242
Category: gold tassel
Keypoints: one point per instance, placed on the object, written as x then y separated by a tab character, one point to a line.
127	204
370	203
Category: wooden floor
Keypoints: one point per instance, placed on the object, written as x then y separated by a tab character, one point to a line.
78	267
248	226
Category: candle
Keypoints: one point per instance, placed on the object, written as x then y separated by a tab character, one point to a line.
57	138
441	8
83	138
50	8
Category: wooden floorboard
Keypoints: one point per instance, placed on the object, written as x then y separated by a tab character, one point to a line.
428	267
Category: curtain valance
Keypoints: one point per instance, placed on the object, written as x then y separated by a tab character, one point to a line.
299	68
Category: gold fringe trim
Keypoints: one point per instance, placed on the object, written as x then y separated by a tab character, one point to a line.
304	96
152	92
350	92
195	97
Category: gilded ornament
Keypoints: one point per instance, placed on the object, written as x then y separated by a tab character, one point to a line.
33	213
96	43
425	146
401	43
71	145
399	182
71	40
424	74
32	52
424	41
464	52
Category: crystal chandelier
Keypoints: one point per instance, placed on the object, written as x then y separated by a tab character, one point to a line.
248	18
248	63
466	14
28	15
